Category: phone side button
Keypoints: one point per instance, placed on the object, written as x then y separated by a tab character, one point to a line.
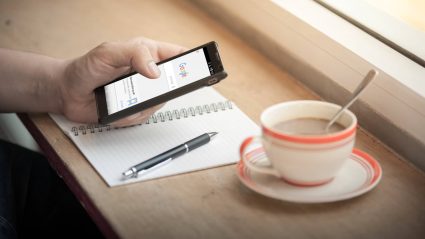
212	81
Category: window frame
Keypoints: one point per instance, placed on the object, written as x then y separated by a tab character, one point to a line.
388	29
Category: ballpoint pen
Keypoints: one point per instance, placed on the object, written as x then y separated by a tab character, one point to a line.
169	155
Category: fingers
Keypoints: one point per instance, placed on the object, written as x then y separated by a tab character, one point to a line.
124	54
166	50
160	50
138	118
140	54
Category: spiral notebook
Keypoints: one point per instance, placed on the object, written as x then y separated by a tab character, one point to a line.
113	150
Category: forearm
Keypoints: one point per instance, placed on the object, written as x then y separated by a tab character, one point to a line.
29	82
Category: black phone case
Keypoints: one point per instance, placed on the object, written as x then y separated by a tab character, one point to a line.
105	118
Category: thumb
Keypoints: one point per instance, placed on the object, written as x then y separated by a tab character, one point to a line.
143	62
137	56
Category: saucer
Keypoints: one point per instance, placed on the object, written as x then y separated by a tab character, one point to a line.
359	175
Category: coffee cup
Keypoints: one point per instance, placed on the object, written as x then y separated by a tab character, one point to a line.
296	144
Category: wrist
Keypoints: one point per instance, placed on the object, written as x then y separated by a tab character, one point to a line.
46	81
48	85
58	79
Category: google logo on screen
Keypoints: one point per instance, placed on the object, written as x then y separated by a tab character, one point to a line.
182	70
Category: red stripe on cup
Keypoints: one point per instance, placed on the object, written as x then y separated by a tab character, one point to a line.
324	139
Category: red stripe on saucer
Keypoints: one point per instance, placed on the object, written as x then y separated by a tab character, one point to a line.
373	163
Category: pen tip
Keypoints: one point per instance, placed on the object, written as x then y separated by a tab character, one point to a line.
211	134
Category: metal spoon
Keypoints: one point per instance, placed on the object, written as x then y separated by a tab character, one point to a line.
365	82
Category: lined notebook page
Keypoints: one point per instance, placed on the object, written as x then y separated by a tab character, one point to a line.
112	151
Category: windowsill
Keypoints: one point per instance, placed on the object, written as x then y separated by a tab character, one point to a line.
332	63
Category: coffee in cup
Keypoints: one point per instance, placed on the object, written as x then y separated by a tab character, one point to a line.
307	126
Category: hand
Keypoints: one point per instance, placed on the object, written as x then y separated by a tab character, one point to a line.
103	64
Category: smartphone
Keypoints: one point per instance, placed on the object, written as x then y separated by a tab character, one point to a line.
180	74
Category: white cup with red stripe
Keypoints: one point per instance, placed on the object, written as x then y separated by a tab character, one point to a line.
302	159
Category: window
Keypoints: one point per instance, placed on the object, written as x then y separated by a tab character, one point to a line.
397	23
344	53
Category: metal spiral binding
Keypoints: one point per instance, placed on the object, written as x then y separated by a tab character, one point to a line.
189	112
160	117
93	128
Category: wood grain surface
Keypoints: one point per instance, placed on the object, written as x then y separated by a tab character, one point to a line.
210	203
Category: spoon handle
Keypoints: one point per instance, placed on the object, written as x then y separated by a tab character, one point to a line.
369	77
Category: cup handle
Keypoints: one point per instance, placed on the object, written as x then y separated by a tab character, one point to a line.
252	166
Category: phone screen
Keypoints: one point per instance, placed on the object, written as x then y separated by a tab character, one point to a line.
176	73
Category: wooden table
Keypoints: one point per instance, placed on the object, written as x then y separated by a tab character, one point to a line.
210	203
